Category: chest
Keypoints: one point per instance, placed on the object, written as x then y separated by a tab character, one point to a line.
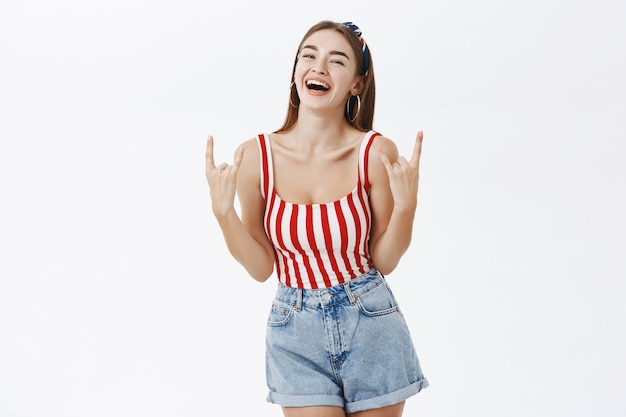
315	179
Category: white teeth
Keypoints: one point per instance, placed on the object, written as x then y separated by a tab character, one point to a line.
316	82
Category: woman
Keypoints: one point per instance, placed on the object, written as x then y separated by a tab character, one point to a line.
332	218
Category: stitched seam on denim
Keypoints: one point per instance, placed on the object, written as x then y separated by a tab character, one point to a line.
365	289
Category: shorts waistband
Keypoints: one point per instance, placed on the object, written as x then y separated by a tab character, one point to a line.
342	293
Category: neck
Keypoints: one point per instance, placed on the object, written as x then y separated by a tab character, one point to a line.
321	131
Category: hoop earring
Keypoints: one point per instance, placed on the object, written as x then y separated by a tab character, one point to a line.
358	108
290	94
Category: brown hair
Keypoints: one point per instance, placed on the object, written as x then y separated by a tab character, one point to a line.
365	117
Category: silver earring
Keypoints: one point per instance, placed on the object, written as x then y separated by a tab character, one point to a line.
358	108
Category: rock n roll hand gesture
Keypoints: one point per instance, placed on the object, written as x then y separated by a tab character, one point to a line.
222	180
404	175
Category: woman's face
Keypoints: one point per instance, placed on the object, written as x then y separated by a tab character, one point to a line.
326	71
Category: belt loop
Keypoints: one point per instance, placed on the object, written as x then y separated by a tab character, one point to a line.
351	296
299	299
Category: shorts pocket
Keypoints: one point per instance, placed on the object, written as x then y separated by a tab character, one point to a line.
379	301
280	314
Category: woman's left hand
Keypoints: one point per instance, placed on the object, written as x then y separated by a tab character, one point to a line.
404	175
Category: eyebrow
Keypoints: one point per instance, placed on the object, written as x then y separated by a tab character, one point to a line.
331	52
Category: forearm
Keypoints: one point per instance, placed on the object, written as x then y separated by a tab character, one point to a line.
245	249
387	250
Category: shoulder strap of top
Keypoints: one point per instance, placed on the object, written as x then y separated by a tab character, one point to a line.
364	158
266	165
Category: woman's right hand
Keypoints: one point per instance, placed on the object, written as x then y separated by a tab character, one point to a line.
222	180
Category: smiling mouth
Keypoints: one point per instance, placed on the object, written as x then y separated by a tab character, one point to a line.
317	85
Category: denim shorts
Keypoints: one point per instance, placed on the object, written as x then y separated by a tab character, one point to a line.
346	346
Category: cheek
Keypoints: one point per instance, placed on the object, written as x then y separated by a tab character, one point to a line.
298	77
301	69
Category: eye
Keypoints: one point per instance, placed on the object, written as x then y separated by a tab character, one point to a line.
336	61
307	56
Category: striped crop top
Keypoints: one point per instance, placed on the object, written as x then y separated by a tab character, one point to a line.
318	245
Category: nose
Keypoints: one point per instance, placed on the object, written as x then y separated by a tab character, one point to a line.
319	68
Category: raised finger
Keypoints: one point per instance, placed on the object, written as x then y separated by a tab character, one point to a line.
417	150
210	163
238	157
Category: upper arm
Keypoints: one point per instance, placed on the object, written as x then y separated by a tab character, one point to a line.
381	200
251	202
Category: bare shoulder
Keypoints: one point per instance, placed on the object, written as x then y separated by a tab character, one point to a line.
388	146
376	168
251	155
250	145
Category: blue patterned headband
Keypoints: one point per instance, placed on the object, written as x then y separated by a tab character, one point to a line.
366	51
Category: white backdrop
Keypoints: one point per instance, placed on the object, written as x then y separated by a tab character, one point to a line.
118	297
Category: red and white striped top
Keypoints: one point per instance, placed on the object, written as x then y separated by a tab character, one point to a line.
318	245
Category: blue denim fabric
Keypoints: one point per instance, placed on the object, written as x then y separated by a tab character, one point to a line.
345	346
